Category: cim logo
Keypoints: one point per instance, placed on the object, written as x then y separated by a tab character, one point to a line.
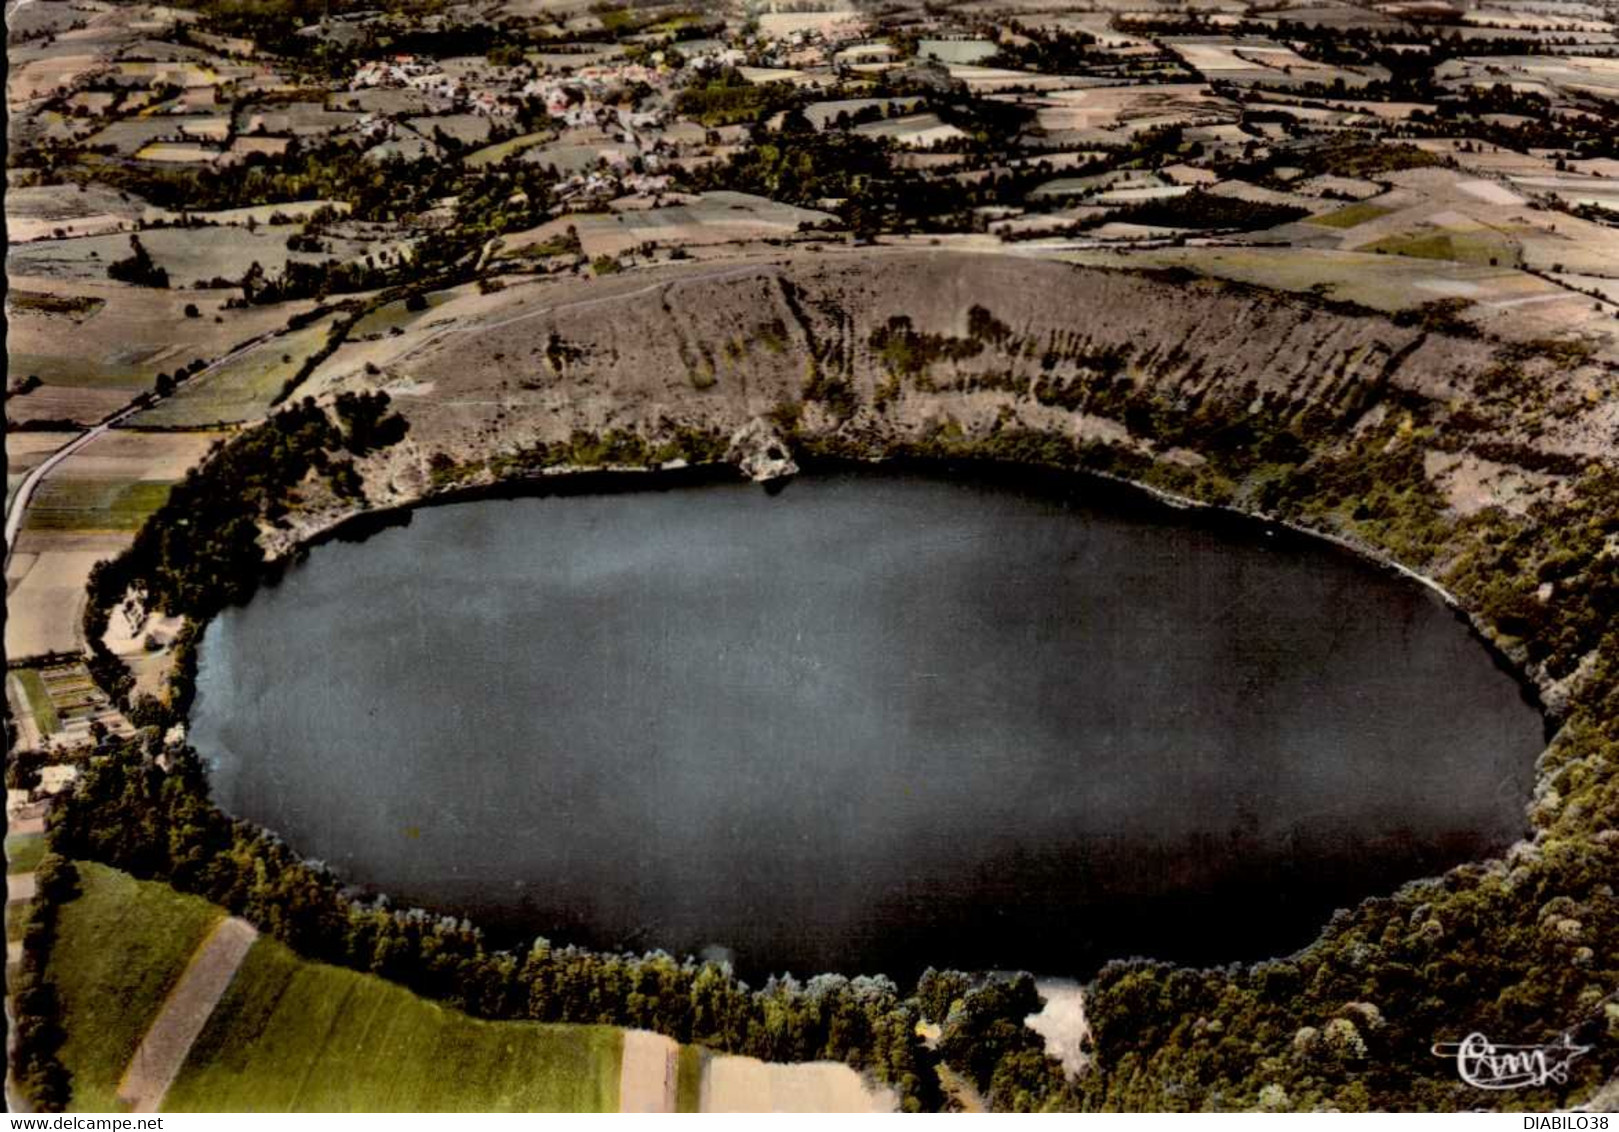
1485	1065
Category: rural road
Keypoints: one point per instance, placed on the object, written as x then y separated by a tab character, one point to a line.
25	490
18	510
163	1050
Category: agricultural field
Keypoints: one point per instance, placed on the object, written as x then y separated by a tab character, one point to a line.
93	359
242	389
1533	306
120	457
187	254
180	153
295	118
40	213
57	704
109	995
500	151
244	147
45	588
956	50
25	450
710	218
35	699
291	1035
394	316
88	509
1247	59
1351	216
995	80
914	131
1478	246
832	19
130	135
85	504
23	851
468	129
575	152
1087	115
1556	76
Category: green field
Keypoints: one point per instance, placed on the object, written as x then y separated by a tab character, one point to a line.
39	700
240	390
81	371
23	851
391	315
291	1035
121	946
188	254
1351	215
1385	282
1477	248
500	151
95	504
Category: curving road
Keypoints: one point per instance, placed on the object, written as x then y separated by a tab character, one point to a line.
18	510
25	490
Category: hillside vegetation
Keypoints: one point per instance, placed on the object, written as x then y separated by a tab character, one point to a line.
290	1035
110	995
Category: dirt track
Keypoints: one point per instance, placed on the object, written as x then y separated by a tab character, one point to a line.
742	1084
19	888
649	1073
163	1050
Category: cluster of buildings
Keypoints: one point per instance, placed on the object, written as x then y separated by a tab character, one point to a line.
802	48
590	190
407	71
403	71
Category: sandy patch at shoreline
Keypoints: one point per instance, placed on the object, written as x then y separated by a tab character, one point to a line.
1061	1022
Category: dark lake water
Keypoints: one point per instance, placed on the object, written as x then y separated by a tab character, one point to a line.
877	721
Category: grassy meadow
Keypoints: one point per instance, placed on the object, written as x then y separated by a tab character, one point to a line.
23	851
95	504
292	1035
242	389
39	701
1351	216
121	946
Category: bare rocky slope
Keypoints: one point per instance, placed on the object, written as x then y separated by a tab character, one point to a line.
1214	390
716	348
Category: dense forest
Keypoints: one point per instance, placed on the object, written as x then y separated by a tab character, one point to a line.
37	1020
